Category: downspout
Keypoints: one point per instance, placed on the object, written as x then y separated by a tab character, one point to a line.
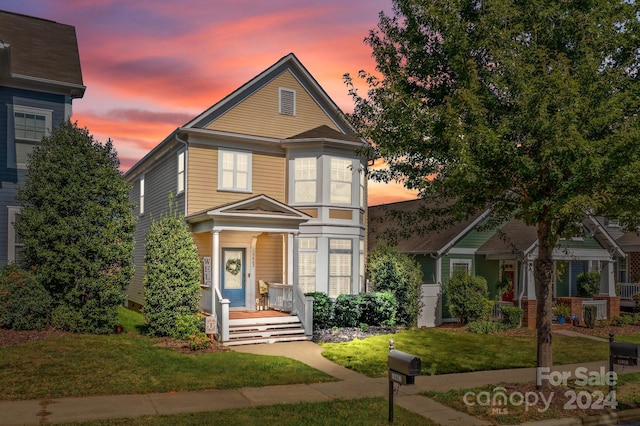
186	168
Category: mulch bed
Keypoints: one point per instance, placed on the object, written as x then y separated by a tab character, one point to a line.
16	337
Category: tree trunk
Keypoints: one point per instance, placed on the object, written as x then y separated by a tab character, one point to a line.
543	274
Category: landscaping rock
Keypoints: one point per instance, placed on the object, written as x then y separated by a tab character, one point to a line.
346	334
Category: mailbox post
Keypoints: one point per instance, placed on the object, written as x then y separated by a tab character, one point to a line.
403	368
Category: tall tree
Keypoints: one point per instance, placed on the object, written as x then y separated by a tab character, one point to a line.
529	108
76	225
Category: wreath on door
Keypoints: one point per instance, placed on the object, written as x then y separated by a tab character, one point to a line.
233	266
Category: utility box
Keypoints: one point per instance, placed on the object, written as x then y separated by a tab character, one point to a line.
403	367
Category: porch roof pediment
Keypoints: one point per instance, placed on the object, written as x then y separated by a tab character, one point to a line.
259	209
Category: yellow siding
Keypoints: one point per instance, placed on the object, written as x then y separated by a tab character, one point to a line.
268	177
340	214
270	258
258	114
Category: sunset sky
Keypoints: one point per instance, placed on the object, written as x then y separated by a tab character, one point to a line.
152	65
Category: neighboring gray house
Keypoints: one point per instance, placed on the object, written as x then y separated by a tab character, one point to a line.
40	75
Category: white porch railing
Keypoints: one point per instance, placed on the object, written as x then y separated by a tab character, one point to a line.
281	297
496	314
303	307
627	290
221	310
601	306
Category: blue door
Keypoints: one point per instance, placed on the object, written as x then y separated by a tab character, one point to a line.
233	287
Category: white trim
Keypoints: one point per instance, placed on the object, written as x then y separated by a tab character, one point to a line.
141	194
235	153
181	174
460	250
12	109
282	90
468	262
11	232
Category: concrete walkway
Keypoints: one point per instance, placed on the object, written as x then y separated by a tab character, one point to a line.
350	385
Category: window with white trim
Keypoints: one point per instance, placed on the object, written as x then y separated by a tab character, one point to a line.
234	171
141	203
459	265
307	254
340	260
15	247
30	125
181	173
305	180
287	101
340	180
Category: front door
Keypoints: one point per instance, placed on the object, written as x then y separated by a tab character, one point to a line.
233	286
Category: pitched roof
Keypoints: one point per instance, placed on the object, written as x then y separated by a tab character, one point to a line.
514	236
40	51
289	62
432	242
325	132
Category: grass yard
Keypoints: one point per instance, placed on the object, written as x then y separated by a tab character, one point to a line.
353	412
126	363
443	351
561	401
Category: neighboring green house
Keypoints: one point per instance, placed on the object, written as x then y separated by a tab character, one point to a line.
505	252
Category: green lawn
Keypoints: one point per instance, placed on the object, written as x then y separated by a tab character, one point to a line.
443	351
353	412
82	364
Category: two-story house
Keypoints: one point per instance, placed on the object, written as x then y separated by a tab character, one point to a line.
40	75
273	188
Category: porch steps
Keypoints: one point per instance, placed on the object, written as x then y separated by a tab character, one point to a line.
250	331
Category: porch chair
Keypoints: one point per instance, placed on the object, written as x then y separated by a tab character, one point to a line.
264	295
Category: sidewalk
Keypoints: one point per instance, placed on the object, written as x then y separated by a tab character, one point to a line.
351	385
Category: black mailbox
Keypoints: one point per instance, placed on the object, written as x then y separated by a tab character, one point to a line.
628	350
403	367
624	353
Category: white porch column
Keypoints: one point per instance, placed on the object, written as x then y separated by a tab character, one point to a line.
292	241
608	279
215	259
530	282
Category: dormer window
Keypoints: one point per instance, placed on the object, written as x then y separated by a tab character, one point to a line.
287	101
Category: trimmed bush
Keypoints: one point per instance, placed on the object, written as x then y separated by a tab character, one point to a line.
24	302
590	314
378	309
76	226
467	295
172	281
346	310
511	316
636	301
390	270
322	311
485	327
588	284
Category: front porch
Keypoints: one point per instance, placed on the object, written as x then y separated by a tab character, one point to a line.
243	246
291	321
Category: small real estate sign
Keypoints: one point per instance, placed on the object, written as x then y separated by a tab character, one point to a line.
211	325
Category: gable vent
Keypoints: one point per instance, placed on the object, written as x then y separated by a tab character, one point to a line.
287	101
